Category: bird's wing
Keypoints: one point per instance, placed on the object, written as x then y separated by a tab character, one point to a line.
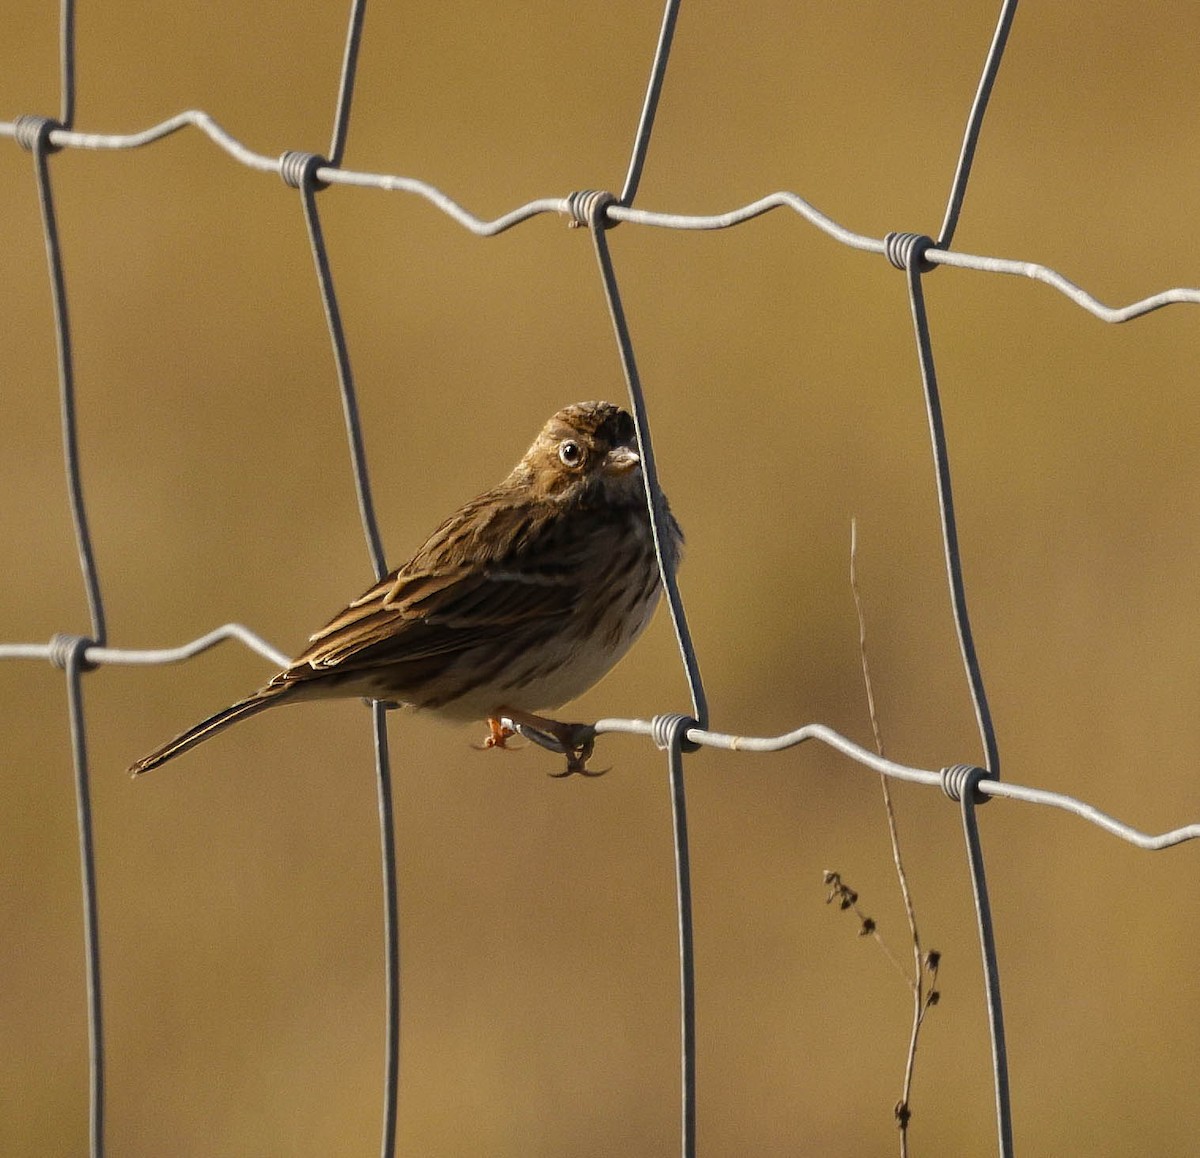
491	566
412	617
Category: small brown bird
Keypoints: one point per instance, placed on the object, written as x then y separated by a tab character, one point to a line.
520	601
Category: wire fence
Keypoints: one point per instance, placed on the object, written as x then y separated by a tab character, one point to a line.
678	734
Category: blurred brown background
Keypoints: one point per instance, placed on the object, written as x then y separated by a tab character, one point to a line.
240	888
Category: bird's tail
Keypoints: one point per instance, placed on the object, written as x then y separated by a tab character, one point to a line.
266	698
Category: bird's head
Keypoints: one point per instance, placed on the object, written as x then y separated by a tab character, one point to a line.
586	448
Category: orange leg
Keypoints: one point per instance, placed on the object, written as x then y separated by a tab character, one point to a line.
497	734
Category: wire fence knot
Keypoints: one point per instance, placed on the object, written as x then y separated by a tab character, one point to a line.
32	132
908	249
299	169
64	647
672	727
959	779
587	208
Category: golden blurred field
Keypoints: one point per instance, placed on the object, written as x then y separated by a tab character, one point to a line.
239	888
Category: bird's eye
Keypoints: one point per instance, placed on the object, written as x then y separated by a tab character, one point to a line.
571	453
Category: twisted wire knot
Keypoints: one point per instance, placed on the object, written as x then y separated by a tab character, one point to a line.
298	168
32	131
671	727
959	779
65	647
903	249
587	207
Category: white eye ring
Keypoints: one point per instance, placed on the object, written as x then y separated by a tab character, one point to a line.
570	454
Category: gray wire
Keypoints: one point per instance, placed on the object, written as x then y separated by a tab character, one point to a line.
674	743
391	930
1151	842
481	227
875	763
34	134
39	141
97	656
654	500
658	72
300	170
945	493
966	156
75	665
63	138
912	250
670	731
66	51
991	965
780	200
341	354
1114	315
594	209
341	118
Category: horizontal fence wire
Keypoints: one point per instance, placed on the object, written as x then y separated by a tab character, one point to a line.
676	733
485	227
700	737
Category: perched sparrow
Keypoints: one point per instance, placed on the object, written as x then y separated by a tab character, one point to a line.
520	601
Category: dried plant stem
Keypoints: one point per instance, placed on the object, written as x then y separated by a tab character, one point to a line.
923	997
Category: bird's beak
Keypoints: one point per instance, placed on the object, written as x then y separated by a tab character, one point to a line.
621	460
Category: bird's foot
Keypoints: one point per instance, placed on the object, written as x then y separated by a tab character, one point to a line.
575	741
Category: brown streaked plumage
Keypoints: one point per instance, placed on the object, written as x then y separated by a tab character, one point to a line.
520	601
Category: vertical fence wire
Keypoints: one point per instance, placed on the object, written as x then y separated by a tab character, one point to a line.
66	54
670	733
666	565
391	931
300	171
75	665
654	499
658	72
341	118
38	141
676	743
974	678
589	209
945	494
687	950
966	155
912	250
307	185
34	134
991	967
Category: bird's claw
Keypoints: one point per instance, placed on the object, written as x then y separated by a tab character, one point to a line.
577	757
